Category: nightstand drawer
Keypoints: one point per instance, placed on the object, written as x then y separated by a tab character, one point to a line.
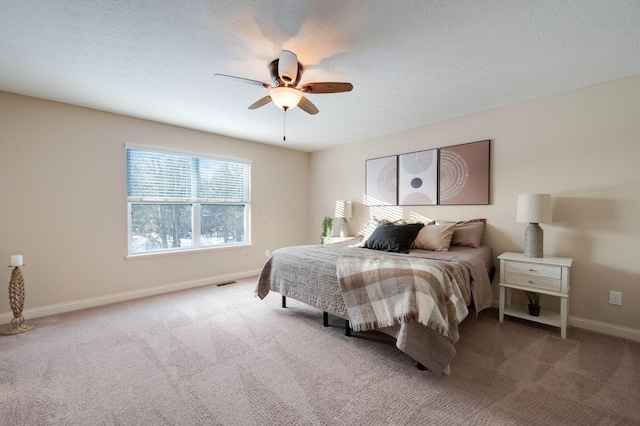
533	281
542	271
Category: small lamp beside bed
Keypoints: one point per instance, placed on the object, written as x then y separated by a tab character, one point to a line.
343	212
534	209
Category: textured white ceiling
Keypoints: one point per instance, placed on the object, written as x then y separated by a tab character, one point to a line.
412	63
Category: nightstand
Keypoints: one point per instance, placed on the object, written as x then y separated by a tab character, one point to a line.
331	240
546	275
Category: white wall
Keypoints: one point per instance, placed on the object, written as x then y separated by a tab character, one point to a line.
583	147
63	205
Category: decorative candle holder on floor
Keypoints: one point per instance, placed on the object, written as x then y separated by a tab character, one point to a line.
16	300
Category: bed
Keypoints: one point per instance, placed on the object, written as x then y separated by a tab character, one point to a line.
371	289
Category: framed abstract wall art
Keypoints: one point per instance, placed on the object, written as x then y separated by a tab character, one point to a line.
464	174
381	181
418	178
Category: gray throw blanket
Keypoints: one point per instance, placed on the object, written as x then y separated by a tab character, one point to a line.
385	291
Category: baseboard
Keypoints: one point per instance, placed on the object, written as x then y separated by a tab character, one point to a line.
587	324
600	327
121	297
605	328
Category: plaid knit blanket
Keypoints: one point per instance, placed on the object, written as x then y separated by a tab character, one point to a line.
385	291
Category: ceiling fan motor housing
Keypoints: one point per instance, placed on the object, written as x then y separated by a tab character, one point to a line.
286	70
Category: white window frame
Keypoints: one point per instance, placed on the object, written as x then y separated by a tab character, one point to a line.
196	222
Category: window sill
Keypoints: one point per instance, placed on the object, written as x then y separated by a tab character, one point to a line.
185	251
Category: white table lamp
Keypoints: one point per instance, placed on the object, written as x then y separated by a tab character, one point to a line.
534	209
343	212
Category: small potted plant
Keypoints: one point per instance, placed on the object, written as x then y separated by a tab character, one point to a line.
534	303
327	227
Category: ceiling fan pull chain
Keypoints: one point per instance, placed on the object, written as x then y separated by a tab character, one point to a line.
284	126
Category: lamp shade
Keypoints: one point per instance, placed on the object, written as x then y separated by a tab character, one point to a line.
534	208
343	209
285	97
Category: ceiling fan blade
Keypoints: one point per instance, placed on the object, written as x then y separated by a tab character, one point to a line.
307	106
246	80
326	87
260	102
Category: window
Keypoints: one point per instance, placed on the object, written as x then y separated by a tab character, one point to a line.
179	201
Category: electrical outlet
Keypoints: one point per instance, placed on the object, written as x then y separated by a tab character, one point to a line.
267	253
615	298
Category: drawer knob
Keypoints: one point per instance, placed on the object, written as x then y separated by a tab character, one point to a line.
532	270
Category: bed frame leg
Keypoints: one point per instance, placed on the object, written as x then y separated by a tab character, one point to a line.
284	301
325	323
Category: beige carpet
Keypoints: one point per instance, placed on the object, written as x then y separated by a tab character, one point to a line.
219	356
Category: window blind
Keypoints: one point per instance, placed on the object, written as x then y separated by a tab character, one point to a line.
155	175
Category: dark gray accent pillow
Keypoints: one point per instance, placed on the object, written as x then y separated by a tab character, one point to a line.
393	238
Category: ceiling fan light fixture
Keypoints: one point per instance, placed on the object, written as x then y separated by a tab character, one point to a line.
285	97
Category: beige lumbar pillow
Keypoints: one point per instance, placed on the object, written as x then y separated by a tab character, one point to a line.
434	237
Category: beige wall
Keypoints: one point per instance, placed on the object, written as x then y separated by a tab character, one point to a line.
63	196
583	147
63	205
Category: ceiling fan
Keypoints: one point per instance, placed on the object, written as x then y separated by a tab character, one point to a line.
286	72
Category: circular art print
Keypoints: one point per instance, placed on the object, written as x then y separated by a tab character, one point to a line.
418	178
454	174
464	174
381	181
